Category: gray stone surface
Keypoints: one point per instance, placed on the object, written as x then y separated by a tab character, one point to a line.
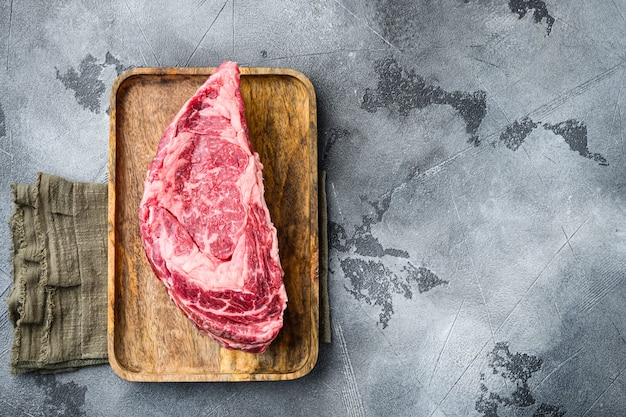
476	185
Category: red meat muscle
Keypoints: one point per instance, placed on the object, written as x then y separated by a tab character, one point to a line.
204	223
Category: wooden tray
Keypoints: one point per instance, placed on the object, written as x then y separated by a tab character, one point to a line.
149	339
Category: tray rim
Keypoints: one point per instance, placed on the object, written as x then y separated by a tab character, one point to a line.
129	375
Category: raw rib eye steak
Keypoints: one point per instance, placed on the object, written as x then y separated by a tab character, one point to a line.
204	223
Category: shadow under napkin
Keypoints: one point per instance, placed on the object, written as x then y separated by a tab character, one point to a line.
58	305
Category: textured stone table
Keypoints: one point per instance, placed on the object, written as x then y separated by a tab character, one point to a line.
476	187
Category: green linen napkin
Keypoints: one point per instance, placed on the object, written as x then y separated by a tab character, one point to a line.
58	305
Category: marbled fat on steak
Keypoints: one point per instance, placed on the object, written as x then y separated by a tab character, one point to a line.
204	223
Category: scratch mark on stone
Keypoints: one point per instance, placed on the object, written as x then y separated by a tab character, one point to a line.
10	32
603	287
399	356
578	30
350	394
617	111
579	226
3	317
604	391
330	387
102	175
385	198
546	109
558	312
7	288
476	278
3	124
336	198
530	287
539	275
621	129
143	34
568	242
550	159
445	343
619	11
534	168
12	167
440	166
200	4
484	61
559	366
493	98
233	26
205	33
618	332
471	362
4	352
220	410
367	25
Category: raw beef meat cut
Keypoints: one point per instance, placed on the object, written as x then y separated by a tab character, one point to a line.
204	223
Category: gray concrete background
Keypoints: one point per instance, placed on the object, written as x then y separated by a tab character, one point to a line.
475	156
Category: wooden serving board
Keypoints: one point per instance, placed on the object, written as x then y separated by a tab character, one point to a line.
149	339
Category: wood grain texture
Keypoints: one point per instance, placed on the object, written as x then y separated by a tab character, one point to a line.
149	339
